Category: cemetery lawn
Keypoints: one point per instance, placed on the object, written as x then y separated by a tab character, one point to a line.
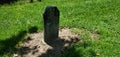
97	22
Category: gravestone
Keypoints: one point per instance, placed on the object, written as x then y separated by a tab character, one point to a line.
51	24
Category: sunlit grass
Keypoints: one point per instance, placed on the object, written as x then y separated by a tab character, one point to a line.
101	17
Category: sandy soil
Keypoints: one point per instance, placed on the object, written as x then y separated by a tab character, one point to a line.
34	45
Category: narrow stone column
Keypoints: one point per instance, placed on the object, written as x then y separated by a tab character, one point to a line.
51	24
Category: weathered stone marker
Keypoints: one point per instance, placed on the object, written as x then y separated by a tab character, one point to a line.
51	24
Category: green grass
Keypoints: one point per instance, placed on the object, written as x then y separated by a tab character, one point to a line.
92	16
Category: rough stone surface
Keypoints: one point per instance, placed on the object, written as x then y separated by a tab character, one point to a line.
51	24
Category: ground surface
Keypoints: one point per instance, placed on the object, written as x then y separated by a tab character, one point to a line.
35	46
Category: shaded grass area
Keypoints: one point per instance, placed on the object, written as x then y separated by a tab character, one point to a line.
8	45
7	1
95	16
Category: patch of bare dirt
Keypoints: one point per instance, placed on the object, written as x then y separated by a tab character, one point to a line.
34	45
94	36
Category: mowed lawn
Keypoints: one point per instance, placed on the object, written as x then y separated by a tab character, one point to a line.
99	19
